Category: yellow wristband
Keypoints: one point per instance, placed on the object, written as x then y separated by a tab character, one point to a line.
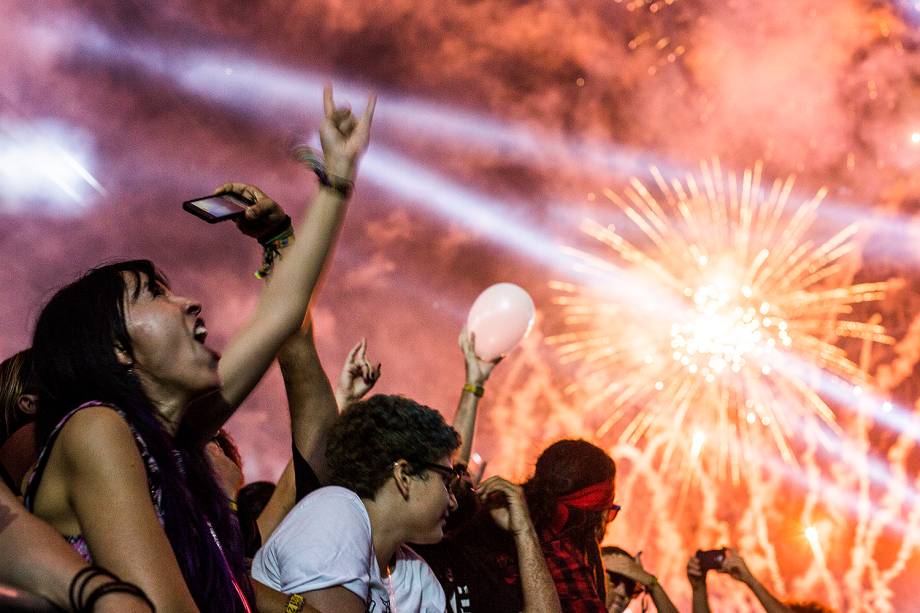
295	604
476	390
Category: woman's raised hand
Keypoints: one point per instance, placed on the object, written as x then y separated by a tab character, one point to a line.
343	136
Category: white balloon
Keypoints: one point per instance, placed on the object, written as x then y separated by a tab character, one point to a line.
501	317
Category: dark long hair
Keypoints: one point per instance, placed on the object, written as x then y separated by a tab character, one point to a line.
565	467
74	351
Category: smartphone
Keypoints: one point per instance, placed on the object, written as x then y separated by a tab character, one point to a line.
213	209
711	559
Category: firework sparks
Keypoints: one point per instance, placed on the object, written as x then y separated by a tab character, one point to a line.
757	292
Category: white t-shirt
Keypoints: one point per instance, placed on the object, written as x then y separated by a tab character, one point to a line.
325	541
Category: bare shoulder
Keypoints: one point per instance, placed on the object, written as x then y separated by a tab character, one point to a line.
97	435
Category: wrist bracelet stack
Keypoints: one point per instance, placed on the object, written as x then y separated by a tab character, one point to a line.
81	602
272	243
476	390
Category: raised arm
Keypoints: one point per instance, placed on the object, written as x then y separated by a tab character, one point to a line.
310	398
508	508
735	566
477	373
313	406
284	301
697	579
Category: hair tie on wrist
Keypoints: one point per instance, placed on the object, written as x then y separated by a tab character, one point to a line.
476	390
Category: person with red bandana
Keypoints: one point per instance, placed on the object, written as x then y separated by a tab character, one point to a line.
567	504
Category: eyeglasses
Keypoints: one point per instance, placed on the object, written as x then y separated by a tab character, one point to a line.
451	475
612	512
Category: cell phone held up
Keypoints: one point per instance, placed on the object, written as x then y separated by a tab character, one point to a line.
217	208
711	559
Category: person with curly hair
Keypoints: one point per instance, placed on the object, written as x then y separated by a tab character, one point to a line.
343	547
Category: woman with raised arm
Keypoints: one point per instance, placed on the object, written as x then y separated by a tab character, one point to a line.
130	394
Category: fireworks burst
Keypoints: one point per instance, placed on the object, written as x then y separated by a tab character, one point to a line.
750	297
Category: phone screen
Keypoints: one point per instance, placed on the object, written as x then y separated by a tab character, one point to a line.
216	208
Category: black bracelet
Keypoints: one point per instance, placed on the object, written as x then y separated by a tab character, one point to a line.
82	579
115	587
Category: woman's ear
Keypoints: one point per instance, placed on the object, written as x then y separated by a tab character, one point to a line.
402	477
122	356
28	403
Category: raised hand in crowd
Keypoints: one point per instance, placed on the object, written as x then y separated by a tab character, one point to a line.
733	565
697	578
357	378
344	137
508	508
477	373
627	579
293	281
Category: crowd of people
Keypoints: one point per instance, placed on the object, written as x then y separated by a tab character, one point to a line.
123	492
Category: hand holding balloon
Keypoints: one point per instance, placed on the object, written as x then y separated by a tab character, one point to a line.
477	370
500	318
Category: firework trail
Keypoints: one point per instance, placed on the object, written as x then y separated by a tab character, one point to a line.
753	289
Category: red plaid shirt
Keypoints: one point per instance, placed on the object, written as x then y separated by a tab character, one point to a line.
575	582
